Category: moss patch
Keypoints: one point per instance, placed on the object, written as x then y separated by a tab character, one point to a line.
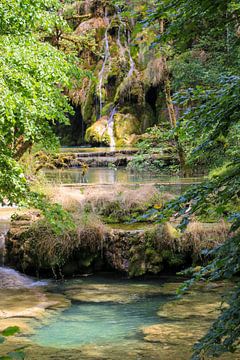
98	132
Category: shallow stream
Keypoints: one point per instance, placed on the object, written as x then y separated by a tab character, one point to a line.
104	317
103	311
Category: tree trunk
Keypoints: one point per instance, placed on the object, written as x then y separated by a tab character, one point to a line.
171	111
173	123
21	147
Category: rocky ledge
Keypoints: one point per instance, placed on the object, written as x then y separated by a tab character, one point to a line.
33	247
97	159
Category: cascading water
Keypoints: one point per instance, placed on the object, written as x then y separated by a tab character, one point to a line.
106	56
125	48
132	64
10	278
122	48
111	128
4	226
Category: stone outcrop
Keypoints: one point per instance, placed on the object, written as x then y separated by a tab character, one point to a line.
98	159
32	247
127	73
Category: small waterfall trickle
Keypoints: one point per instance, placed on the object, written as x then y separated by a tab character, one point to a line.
111	128
125	48
132	64
4	226
2	250
106	56
10	278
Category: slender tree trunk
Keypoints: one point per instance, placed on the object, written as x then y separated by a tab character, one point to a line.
21	147
171	111
173	123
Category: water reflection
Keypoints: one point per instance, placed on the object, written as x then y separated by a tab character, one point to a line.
85	149
110	176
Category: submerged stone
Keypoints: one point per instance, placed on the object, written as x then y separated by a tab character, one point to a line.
131	319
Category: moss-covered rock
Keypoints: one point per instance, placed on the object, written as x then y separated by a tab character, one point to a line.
95	23
126	127
98	133
131	76
32	246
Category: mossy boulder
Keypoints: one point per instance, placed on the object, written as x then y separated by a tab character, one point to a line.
98	133
87	101
95	23
126	127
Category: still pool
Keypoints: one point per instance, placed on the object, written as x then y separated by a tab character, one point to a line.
108	176
106	317
99	323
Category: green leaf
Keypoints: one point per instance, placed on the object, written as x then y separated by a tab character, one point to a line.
11	330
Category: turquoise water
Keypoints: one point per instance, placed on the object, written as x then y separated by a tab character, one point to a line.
99	323
104	317
104	310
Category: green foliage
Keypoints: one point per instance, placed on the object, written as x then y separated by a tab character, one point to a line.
204	36
156	151
224	334
57	219
17	354
216	117
34	78
11	330
31	101
24	16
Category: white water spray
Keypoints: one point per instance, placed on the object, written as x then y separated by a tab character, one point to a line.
106	56
132	64
12	279
111	129
125	48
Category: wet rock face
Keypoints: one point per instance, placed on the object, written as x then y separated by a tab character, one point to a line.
120	65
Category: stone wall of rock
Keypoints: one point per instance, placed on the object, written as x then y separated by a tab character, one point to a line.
32	247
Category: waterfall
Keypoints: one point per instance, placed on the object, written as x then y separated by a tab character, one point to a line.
2	248
127	43
121	47
111	128
106	56
132	64
4	227
12	279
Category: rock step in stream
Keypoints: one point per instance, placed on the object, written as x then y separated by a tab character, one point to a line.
106	158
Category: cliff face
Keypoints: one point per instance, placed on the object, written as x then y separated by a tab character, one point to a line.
124	96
